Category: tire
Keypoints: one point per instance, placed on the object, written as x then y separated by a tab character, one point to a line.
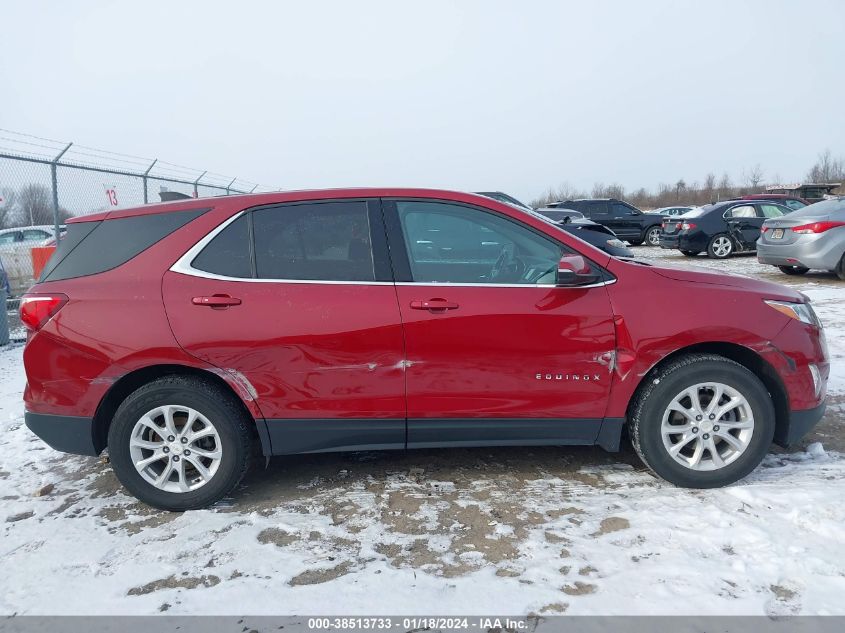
635	242
230	436
690	253
649	413
652	236
840	268
794	270
720	247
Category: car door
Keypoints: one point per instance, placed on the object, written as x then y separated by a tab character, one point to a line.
744	222
496	353
297	302
624	221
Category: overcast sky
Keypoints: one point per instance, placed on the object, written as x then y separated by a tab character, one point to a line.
515	96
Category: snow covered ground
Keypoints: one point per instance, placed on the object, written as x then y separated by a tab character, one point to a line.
547	530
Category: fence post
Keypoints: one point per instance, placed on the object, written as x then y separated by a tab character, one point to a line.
197	182
53	169
229	186
147	173
253	189
4	318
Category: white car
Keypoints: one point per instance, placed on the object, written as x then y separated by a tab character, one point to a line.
15	252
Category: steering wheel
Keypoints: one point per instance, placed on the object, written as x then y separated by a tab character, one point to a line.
506	262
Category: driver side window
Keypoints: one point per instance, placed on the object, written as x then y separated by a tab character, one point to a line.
448	243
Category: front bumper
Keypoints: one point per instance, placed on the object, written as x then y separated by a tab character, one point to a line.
63	432
800	423
819	252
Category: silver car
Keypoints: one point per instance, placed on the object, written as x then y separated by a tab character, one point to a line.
813	237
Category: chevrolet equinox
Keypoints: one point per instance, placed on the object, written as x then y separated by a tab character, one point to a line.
193	337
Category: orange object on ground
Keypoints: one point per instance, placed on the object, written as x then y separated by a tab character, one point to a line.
40	255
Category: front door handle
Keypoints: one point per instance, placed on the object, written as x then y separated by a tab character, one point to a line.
433	305
216	301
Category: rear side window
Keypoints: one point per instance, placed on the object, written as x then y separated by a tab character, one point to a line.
596	208
95	247
318	241
228	253
771	210
745	211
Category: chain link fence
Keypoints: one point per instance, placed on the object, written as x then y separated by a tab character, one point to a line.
44	182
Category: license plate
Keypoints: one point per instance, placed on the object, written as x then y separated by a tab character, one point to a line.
670	228
777	234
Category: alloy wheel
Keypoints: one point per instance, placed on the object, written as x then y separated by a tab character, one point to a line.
722	246
707	426
175	448
653	236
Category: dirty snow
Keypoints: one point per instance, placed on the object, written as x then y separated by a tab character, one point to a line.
547	530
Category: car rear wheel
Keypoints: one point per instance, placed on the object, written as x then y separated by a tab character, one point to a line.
690	253
702	421
180	443
653	236
720	247
840	268
794	270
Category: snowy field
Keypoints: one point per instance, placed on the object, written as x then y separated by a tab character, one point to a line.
549	530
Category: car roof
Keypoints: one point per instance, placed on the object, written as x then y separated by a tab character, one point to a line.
279	197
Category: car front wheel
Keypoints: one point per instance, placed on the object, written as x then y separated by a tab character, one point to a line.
794	270
653	236
702	421
690	253
720	247
180	443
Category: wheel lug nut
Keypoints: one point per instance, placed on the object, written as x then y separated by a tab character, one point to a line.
706	436
187	452
165	449
695	429
170	438
184	440
698	418
175	458
716	428
712	417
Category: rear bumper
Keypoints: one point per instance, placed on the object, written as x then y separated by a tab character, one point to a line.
800	423
63	432
820	252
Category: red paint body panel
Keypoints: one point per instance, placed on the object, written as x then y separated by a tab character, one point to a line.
312	350
482	359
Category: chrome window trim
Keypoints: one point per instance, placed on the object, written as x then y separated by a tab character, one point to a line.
183	266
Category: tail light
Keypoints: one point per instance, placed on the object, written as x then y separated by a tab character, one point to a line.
688	226
37	309
763	229
816	227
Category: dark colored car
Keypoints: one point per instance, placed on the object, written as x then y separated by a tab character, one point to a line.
793	202
192	336
626	221
591	232
671	211
560	215
720	229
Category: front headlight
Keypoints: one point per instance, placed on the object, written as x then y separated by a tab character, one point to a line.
799	311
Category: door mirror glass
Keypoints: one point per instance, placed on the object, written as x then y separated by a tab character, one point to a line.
574	270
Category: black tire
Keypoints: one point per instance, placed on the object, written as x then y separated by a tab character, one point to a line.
712	253
635	242
652	236
219	407
840	268
690	253
662	385
794	270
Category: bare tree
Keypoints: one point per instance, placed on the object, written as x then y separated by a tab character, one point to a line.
827	169
614	191
753	177
35	206
8	202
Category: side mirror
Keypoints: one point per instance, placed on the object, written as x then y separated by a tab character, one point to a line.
574	270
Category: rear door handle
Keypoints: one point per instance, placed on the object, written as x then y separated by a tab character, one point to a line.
433	305
216	301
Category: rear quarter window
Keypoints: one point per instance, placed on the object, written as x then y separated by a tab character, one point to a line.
95	247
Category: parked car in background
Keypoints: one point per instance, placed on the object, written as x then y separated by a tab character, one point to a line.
191	337
15	246
811	191
671	211
625	220
792	202
812	238
503	197
720	229
560	215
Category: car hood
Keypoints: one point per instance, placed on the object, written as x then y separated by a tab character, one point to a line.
766	289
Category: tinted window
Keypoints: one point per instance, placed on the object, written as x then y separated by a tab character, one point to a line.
94	247
326	241
618	210
596	208
228	253
455	244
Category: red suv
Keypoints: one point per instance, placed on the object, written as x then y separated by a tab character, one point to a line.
186	337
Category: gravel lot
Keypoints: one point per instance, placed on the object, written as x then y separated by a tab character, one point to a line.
548	530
